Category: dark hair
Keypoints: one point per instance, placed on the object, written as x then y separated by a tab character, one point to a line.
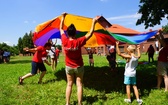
47	44
71	30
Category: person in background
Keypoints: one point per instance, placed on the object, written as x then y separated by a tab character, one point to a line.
57	51
37	62
130	70
162	64
111	57
99	52
90	52
150	53
5	56
52	55
73	57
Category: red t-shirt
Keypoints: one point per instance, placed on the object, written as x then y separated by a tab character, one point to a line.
57	51
41	52
163	54
72	49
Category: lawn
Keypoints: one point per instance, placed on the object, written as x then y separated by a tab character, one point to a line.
101	86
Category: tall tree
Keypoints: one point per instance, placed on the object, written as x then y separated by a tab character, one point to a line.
20	45
153	11
26	40
30	40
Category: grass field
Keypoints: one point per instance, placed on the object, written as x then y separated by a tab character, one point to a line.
101	86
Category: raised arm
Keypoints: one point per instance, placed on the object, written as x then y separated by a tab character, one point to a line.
89	34
117	48
55	42
138	51
119	53
62	23
160	38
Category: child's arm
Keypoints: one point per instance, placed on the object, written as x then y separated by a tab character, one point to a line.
46	61
33	50
119	53
138	51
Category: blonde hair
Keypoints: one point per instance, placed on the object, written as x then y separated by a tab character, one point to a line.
131	48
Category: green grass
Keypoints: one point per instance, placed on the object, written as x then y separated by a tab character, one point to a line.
101	86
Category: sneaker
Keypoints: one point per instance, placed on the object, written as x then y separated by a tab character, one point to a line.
127	100
20	80
140	101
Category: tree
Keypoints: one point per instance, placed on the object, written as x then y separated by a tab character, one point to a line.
165	29
153	11
26	40
20	45
12	49
30	40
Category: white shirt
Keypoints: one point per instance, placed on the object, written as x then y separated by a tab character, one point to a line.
51	53
130	67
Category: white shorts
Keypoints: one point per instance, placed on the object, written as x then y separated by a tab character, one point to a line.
78	70
162	68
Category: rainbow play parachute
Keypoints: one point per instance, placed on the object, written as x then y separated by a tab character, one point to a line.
50	30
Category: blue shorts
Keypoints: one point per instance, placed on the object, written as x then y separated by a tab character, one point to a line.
129	80
36	66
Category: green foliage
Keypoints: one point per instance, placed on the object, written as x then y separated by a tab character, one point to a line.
153	11
26	41
101	86
59	47
20	45
165	28
12	49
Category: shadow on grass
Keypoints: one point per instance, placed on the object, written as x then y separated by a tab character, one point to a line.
102	79
19	61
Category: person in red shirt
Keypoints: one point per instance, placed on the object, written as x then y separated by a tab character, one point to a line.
37	62
57	51
162	66
73	57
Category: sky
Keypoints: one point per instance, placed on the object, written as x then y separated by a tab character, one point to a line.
22	16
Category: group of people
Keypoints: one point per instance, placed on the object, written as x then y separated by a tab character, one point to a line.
74	65
40	56
4	56
53	54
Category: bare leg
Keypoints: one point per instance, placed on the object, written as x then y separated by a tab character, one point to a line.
136	91
166	82
70	80
27	76
53	63
128	91
41	76
159	81
79	81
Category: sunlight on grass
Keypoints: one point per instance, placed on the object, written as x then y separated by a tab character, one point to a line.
101	86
